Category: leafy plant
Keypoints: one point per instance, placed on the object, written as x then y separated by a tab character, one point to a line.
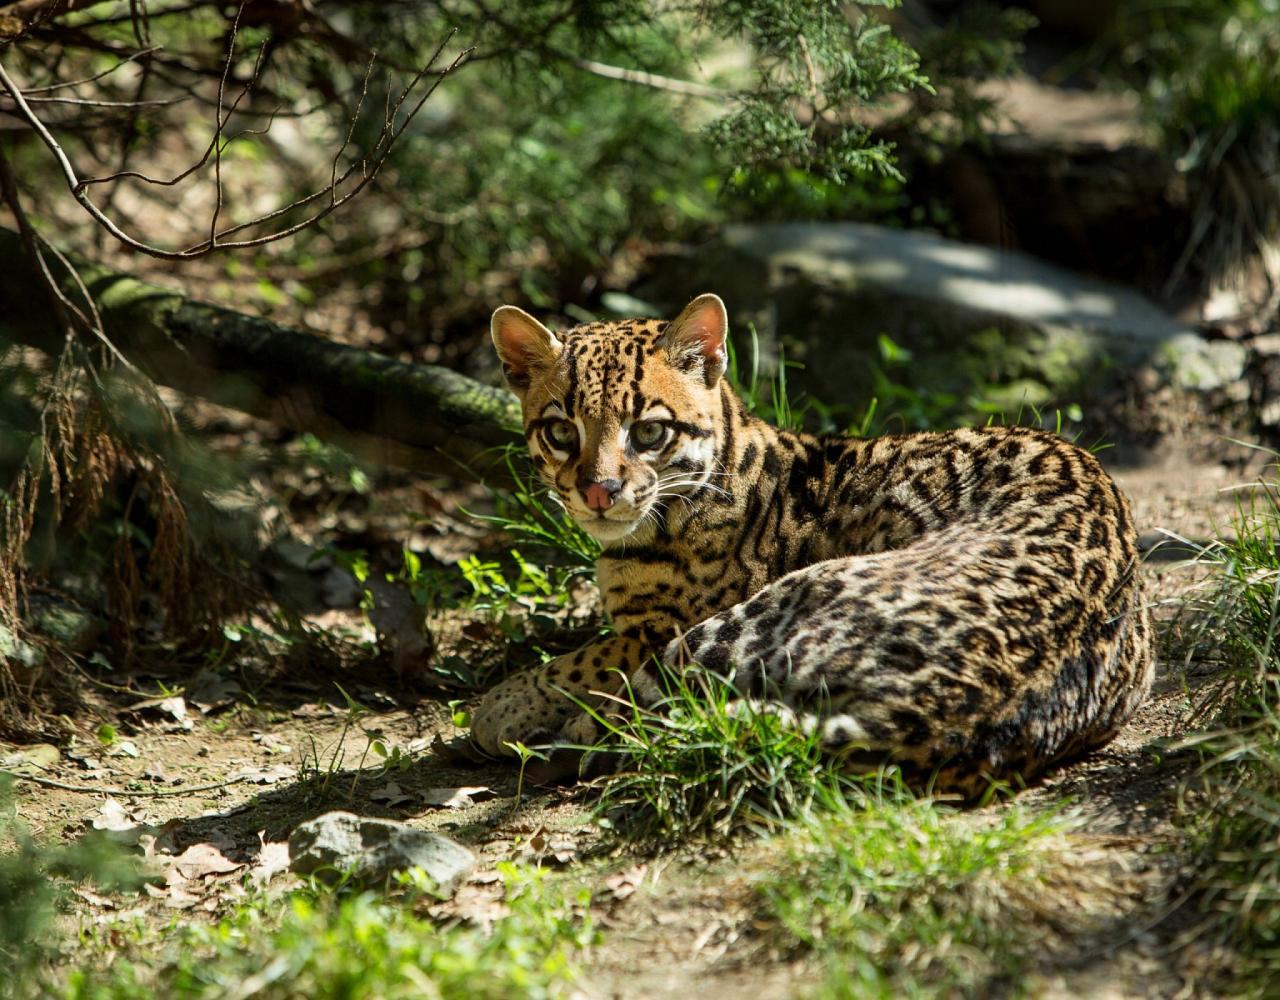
532	513
34	881
319	767
771	400
320	944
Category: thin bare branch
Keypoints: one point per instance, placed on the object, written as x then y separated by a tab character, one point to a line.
87	103
221	121
366	168
19	17
69	313
124	61
151	15
687	88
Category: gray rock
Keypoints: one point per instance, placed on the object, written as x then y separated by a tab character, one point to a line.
1204	366
373	849
72	627
969	278
15	649
971	321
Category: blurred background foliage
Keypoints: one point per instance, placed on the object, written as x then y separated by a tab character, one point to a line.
573	136
576	136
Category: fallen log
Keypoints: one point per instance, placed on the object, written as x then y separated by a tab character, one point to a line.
423	418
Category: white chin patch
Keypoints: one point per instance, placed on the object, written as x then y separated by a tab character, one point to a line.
605	532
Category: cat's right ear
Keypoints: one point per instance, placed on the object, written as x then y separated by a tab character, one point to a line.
523	345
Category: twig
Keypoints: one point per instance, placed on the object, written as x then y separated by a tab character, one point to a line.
30	13
367	167
686	87
148	793
160	102
125	60
812	76
68	313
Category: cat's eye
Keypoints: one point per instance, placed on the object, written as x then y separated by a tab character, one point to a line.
562	433
646	434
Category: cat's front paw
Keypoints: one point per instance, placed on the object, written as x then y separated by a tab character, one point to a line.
518	711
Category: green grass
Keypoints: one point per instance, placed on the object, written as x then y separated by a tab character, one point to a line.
1235	827
890	895
311	943
533	515
319	944
707	764
895	897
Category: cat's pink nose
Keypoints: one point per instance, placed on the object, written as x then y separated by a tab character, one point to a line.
599	496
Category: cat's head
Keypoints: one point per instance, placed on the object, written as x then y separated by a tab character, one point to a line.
622	418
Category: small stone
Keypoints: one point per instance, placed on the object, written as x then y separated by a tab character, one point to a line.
373	849
1203	365
70	626
13	648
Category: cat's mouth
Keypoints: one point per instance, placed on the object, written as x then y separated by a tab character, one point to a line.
605	529
623	517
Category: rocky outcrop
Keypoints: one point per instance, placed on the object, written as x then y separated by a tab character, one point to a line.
867	311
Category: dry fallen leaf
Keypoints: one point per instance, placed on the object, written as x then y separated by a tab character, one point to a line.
544	845
176	707
482	905
209	691
179	898
623	884
271	744
85	761
93	898
457	798
392	794
157	773
200	860
172	707
273	858
114	817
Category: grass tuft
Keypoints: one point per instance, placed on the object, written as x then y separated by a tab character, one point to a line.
1235	881
901	898
532	514
705	763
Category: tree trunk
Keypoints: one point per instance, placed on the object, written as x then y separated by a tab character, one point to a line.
421	417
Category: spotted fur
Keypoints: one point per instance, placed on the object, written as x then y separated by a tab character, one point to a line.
964	603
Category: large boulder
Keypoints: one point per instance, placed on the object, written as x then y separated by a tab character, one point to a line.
936	326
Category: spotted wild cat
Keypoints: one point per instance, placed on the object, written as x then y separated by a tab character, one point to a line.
964	603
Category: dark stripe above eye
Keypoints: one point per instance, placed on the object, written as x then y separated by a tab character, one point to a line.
692	430
571	392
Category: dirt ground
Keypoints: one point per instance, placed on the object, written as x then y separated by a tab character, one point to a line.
240	772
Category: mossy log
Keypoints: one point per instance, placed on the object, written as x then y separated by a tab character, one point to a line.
421	417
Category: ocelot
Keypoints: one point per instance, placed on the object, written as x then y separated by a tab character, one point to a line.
965	604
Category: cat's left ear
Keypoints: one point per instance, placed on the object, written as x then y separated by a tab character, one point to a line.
523	344
697	336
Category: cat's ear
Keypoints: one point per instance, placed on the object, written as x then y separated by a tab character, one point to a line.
697	337
523	345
